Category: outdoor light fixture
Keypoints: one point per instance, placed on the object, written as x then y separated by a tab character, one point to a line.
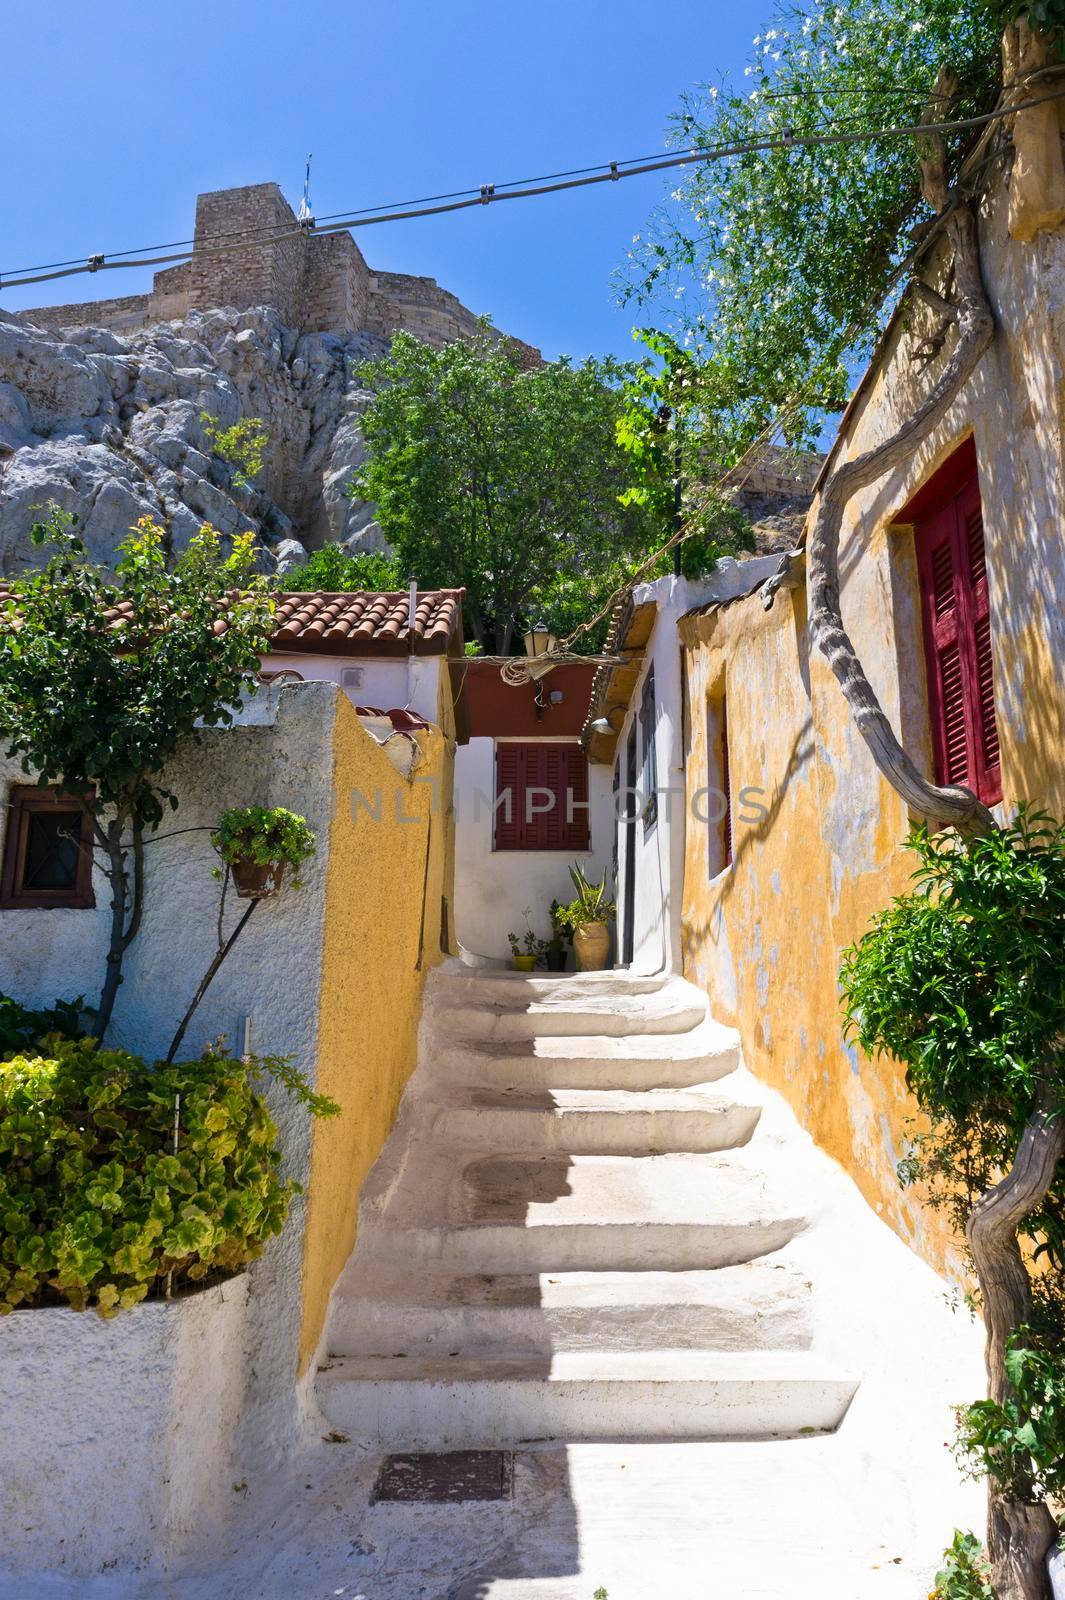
539	641
603	724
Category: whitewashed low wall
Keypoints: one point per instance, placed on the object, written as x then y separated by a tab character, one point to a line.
118	1436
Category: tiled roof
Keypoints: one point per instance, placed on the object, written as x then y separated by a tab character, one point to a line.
349	624
354	624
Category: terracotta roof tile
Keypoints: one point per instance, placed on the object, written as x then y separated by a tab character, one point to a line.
353	624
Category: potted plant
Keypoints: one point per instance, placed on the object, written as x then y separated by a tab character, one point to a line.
258	843
555	952
524	960
587	917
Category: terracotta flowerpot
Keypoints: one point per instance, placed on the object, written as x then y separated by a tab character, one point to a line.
524	963
591	946
255	881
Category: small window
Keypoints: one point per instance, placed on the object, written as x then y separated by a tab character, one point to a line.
47	852
957	632
649	768
719	788
541	798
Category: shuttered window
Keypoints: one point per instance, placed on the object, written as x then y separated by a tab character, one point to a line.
952	566
726	788
718	788
541	798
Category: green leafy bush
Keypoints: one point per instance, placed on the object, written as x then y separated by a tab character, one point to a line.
1020	1443
963	1575
333	570
241	446
20	1026
96	1205
263	834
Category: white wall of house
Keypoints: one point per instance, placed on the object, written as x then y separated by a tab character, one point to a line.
492	887
388	682
658	856
272	977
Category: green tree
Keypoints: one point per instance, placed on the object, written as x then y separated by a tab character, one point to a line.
331	569
962	980
500	478
103	680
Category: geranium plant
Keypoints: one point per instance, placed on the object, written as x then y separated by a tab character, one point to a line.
265	835
118	1175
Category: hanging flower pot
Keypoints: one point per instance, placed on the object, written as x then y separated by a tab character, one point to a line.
258	845
256	880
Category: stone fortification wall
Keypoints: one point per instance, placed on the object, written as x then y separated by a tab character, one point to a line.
250	251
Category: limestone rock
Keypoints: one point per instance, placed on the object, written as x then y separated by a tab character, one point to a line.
108	425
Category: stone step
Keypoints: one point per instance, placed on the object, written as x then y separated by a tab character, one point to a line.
461	985
596	1121
454	1402
663	1061
517	1213
676	1008
761	1305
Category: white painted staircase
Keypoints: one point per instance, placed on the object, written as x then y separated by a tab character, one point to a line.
574	1233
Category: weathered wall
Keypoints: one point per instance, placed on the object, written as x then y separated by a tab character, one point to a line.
325	975
765	937
383	920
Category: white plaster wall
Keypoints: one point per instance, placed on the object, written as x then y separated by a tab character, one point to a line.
272	977
493	887
659	851
409	683
118	1435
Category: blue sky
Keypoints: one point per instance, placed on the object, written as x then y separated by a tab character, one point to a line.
119	113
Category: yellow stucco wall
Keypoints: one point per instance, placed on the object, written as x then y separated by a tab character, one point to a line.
764	938
377	918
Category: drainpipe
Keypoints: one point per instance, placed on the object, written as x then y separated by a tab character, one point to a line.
412	609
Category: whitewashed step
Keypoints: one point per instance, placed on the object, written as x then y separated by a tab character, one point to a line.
463	985
649	1061
454	1402
583	1213
761	1305
675	1009
596	1121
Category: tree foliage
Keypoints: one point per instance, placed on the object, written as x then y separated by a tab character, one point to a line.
103	680
501	478
962	980
775	264
333	570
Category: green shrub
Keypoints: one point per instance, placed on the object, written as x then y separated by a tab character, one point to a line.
97	1208
1020	1443
964	1574
20	1026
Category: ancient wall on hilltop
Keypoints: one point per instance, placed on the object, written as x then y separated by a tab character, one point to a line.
258	255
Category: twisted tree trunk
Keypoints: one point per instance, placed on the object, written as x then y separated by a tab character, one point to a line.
1020	1532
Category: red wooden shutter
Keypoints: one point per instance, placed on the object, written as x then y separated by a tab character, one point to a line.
510	819
560	773
726	790
988	770
957	628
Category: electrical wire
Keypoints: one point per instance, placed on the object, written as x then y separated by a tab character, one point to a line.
492	194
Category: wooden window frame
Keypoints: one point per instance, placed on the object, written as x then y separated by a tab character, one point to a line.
647	717
719	778
534	834
959	673
25	802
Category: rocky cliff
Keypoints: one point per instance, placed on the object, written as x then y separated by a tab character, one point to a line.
108	425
